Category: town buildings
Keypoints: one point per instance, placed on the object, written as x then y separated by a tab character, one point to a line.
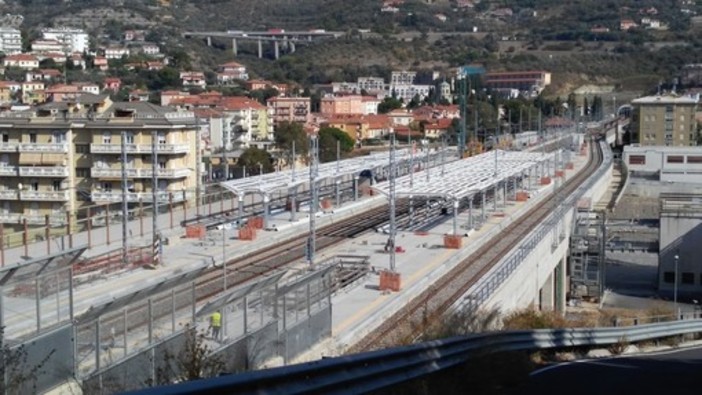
59	157
664	120
289	109
529	82
10	41
73	40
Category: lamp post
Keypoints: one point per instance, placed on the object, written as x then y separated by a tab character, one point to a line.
675	286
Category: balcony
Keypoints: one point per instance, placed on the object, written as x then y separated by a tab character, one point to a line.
106	172
45	196
32	219
49	147
9	194
135	197
43	171
139	148
9	147
10	171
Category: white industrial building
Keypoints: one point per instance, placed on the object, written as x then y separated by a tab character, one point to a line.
670	164
10	41
680	237
73	40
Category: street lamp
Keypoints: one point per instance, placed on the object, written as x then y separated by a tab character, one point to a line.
675	286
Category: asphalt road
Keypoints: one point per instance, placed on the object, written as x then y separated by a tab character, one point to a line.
674	372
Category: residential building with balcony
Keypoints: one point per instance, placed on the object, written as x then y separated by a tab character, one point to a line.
41	46
664	120
60	157
338	105
289	109
10	41
22	61
73	40
231	72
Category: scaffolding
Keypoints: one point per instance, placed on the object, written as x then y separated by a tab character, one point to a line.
587	255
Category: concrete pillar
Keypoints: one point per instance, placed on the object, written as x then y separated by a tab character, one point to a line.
355	187
337	192
292	47
276	49
470	213
411	211
504	193
293	203
260	49
561	286
495	197
209	41
455	217
240	198
482	206
266	210
547	293
235	48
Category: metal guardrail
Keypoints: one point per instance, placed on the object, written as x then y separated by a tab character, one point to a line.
376	370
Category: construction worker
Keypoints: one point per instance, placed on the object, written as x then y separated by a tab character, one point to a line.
216	324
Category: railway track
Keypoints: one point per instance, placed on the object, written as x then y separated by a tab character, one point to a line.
438	298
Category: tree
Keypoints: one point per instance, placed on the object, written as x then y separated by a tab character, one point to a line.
262	95
389	104
328	138
253	157
415	102
193	361
288	132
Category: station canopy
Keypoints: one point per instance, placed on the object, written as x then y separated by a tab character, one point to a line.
467	177
270	182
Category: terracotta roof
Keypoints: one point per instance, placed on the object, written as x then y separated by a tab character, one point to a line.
240	103
231	64
207	113
22	56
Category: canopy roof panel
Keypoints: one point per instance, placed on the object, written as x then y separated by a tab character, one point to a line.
466	177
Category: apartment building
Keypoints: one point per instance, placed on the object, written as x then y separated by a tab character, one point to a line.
338	105
289	109
73	40
10	41
60	157
664	120
532	82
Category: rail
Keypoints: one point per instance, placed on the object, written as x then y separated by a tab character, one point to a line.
377	370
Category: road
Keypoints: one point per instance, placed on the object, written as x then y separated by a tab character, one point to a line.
674	372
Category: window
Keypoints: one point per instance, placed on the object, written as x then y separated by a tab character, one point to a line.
668	108
82	172
56	186
34	185
161	165
106	186
5	138
129	138
161	138
107	138
637	160
32	138
694	159
675	159
82	148
59	137
669	277
688	278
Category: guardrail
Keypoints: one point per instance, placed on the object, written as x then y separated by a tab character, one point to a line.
376	370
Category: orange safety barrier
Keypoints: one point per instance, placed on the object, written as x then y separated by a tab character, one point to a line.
389	281
326	204
560	173
545	180
247	233
570	166
453	241
256	222
197	231
522	196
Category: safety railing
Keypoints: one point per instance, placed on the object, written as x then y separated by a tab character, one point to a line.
376	370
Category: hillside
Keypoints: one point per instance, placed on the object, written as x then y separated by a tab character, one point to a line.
553	35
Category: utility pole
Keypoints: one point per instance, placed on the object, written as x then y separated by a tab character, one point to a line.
198	164
125	210
154	192
464	114
391	179
314	160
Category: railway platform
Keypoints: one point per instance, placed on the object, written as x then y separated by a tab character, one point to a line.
423	259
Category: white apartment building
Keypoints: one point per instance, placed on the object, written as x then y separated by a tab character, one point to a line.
10	41
47	46
73	40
